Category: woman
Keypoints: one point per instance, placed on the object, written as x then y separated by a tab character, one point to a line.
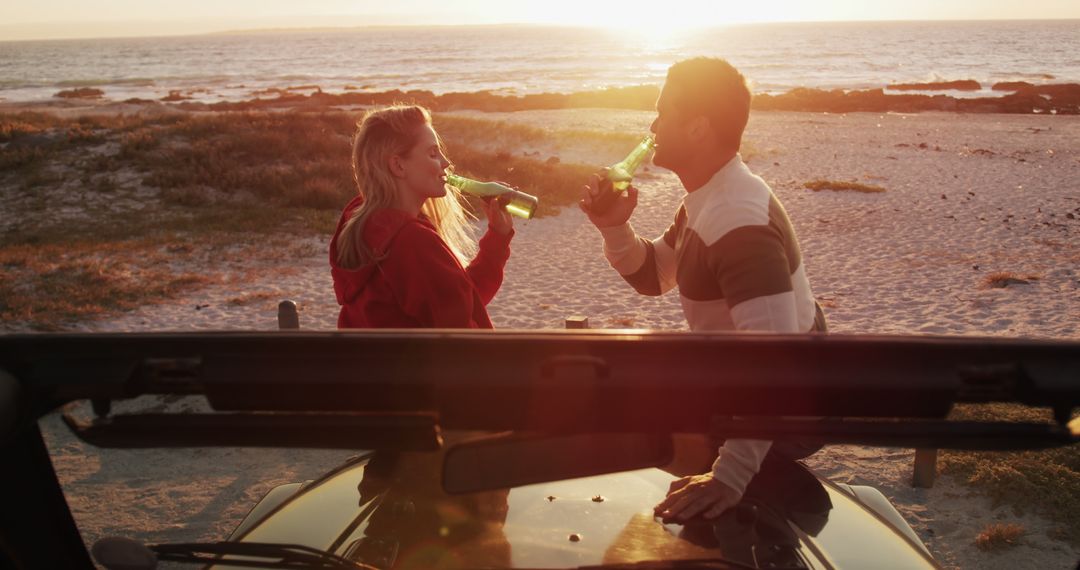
400	255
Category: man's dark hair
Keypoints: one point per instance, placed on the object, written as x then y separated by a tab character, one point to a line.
712	87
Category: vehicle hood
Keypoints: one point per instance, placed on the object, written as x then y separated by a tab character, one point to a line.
373	513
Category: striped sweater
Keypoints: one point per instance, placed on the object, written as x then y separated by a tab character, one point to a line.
735	258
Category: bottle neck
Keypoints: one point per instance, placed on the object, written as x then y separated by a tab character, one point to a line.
633	161
457	181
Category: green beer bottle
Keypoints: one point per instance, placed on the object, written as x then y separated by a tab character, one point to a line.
621	174
521	204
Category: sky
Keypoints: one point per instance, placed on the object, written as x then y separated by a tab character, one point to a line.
57	19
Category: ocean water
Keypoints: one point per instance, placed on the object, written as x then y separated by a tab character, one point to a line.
534	59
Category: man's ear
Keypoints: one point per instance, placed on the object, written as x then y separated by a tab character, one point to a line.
397	166
699	128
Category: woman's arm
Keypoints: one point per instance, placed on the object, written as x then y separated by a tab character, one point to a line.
486	269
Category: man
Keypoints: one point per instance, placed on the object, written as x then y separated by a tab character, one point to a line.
731	251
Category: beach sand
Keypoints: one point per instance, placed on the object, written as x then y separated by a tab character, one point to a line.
965	196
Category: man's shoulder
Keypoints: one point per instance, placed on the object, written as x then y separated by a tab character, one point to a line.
746	182
745	203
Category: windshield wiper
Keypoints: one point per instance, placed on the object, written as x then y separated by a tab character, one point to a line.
117	552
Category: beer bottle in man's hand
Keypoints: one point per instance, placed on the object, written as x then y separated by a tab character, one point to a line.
620	175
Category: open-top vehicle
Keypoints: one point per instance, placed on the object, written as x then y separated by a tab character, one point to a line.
516	449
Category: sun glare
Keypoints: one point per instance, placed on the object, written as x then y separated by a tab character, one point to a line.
665	19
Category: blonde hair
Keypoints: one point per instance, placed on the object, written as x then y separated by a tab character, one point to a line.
381	134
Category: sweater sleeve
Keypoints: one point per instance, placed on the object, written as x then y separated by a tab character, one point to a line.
486	269
739	461
753	270
648	266
435	289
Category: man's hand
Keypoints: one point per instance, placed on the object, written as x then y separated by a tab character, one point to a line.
620	211
694	495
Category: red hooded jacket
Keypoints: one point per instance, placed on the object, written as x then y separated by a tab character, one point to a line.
418	282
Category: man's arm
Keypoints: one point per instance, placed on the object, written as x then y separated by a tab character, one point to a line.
648	266
738	461
754	272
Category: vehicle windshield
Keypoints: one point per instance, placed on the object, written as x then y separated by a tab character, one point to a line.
905	172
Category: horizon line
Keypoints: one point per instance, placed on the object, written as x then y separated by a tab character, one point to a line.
310	29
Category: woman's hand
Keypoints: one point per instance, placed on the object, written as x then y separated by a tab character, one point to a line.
499	220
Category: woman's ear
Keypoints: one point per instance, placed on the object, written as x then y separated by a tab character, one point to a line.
397	166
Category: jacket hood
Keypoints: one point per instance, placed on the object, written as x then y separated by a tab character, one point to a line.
379	231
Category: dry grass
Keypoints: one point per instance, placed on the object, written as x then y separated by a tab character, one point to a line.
1003	279
281	159
207	227
54	272
34	122
14	126
48	287
20	158
837	185
38	139
998	536
1045	480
